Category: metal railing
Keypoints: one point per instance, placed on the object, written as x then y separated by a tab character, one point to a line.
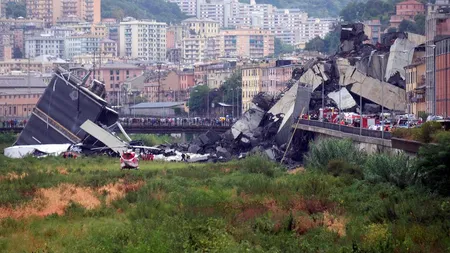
346	129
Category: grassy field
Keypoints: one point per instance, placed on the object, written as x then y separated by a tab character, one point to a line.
253	205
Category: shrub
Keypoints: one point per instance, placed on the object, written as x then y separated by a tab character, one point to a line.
7	138
340	167
259	164
434	164
321	152
397	169
425	132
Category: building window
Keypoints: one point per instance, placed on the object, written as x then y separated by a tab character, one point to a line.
111	78
117	72
117	78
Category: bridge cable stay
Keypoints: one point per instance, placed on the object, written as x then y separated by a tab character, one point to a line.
292	136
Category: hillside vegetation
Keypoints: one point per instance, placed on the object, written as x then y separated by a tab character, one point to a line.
159	10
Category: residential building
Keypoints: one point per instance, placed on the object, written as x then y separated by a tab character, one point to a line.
415	87
93	11
372	28
42	64
169	90
5	46
437	26
47	10
100	59
186	79
248	43
19	95
314	27
251	85
174	55
108	47
197	33
215	80
174	36
201	27
24	23
142	39
189	7
88	10
44	45
406	10
82	44
60	31
443	77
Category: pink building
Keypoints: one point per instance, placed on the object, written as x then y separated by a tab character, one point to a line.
114	75
186	79
170	39
406	10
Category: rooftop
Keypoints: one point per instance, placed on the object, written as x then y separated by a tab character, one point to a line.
199	20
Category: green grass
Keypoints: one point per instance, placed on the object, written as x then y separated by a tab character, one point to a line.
251	205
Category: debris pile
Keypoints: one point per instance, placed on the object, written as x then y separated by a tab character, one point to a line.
373	74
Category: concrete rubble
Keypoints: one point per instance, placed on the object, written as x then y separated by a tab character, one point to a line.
373	74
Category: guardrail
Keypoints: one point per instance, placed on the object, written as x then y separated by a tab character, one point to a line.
347	129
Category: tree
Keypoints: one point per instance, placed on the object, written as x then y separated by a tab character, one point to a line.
15	10
408	26
17	53
232	89
282	48
434	164
198	99
420	23
316	44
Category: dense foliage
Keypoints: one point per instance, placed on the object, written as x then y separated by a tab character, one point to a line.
282	48
159	10
328	45
425	133
15	9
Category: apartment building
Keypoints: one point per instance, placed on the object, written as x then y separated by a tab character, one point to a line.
108	47
44	45
189	7
251	85
88	10
60	31
198	33
47	10
406	10
415	87
81	45
143	39
443	77
437	26
248	43
314	27
372	28
6	46
37	65
174	36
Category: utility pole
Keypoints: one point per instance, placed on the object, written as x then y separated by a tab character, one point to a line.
382	97
93	66
29	84
159	81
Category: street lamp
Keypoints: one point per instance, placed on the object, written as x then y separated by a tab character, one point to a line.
382	95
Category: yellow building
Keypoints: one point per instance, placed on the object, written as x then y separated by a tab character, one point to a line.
200	27
197	33
100	30
251	85
248	43
415	87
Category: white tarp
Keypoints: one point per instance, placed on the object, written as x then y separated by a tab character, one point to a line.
24	150
342	98
400	56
